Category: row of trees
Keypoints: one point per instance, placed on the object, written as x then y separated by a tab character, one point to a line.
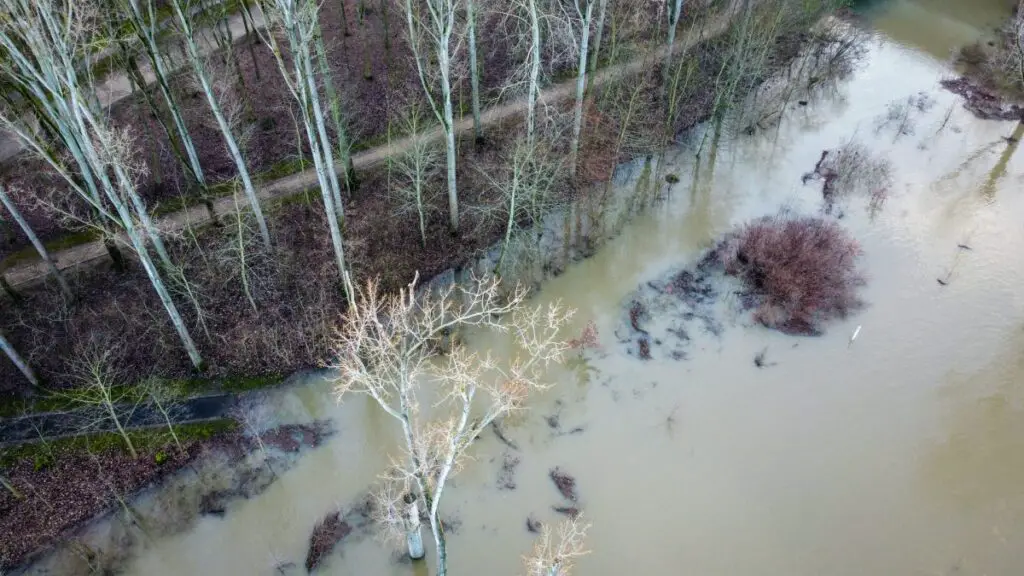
53	105
53	108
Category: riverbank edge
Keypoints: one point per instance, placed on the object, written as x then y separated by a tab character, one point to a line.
453	273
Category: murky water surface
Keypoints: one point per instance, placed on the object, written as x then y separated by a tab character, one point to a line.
902	453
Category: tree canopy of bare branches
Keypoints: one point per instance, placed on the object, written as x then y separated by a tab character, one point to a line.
390	349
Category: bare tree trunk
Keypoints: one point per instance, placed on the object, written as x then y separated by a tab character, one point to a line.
43	252
17	360
581	85
344	146
441	24
413	533
474	69
601	11
675	11
225	127
299	24
533	90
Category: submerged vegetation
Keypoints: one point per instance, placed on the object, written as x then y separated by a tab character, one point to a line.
799	271
193	282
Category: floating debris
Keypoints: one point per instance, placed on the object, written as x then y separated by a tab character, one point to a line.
565	483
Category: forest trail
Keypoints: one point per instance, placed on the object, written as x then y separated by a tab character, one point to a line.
27	273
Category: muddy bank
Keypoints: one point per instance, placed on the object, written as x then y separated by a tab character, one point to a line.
89	508
983	102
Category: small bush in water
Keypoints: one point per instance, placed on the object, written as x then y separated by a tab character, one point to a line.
801	271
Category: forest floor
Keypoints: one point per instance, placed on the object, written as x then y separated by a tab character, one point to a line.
27	273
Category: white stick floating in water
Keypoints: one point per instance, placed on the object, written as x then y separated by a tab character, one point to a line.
854	337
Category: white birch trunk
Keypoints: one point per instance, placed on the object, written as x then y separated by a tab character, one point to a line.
17	360
147	35
413	531
581	85
474	69
444	61
534	87
601	11
344	154
675	10
43	252
137	240
229	138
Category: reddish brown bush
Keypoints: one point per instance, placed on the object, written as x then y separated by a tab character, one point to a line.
801	271
327	532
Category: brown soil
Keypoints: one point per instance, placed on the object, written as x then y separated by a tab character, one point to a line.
73	488
70	487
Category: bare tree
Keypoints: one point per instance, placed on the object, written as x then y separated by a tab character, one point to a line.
44	254
580	17
431	29
414	172
42	41
296	20
474	68
555	552
166	400
103	399
674	12
144	21
602	11
525	182
389	348
186	26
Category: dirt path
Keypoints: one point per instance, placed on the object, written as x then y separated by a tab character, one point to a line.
93	252
117	86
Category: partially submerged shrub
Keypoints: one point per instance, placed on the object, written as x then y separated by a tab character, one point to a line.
801	271
849	170
327	532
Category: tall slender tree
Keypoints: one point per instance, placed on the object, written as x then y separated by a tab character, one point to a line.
580	17
431	27
297	21
142	16
186	26
474	69
42	40
44	254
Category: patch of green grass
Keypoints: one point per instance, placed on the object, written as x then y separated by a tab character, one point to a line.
64	400
29	254
150	440
232	384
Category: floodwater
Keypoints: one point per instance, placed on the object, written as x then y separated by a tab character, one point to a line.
899	453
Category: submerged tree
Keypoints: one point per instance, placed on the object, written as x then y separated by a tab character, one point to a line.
390	348
555	552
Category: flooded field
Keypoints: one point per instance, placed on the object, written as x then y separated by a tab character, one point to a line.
901	452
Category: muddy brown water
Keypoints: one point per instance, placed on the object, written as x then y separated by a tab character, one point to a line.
901	453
